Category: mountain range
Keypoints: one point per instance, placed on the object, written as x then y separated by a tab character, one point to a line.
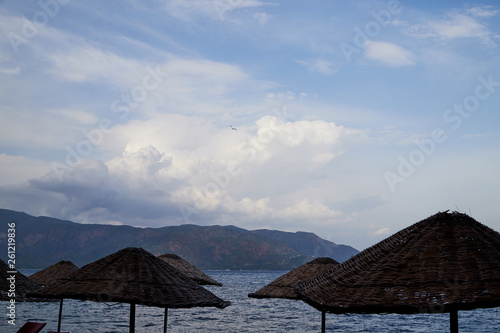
43	241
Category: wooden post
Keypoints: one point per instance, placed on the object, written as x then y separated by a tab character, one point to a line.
323	321
132	318
454	320
165	321
60	316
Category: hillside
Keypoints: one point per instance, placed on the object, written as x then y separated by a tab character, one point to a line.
310	244
43	241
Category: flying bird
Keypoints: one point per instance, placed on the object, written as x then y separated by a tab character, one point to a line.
233	128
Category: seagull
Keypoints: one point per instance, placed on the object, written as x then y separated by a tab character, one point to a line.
233	128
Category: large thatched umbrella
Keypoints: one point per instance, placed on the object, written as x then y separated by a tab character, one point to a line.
62	269
189	270
445	263
14	285
283	287
134	276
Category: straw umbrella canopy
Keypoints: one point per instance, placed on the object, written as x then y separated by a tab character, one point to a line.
12	281
189	270
57	271
445	263
134	276
283	286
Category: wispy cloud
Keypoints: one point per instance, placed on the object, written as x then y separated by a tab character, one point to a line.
320	66
217	10
76	115
382	231
456	25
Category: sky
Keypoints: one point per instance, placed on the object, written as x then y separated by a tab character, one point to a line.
352	120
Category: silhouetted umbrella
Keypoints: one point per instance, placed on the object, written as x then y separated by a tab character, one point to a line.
283	287
14	285
134	276
62	269
445	263
188	269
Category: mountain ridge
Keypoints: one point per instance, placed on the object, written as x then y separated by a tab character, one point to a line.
42	241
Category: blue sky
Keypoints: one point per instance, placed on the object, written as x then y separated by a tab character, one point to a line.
354	119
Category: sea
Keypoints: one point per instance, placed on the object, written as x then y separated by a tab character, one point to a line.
243	315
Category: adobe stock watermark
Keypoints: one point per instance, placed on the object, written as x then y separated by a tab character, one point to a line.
220	180
455	116
121	107
10	289
31	28
371	29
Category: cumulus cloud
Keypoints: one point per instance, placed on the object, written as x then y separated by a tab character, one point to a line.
389	54
184	173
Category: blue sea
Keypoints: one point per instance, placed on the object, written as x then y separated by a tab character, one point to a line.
243	315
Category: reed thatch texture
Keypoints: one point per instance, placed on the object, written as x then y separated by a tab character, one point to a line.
135	276
57	271
22	284
445	263
188	269
283	287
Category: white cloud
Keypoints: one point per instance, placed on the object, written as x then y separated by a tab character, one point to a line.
389	54
10	70
218	9
261	17
172	162
321	66
482	11
382	231
85	64
456	25
76	115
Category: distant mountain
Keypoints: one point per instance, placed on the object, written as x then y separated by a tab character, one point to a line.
310	244
43	241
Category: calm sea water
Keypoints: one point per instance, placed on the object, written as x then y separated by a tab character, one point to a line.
243	315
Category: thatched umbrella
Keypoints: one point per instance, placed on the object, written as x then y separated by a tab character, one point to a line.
189	270
134	276
445	263
14	285
283	287
57	271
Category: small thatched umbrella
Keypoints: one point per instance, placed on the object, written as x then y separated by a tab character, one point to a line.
62	269
189	270
14	285
283	287
134	276
445	263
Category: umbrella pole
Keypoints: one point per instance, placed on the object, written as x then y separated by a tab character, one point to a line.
323	320
454	321
165	321
132	318
60	316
